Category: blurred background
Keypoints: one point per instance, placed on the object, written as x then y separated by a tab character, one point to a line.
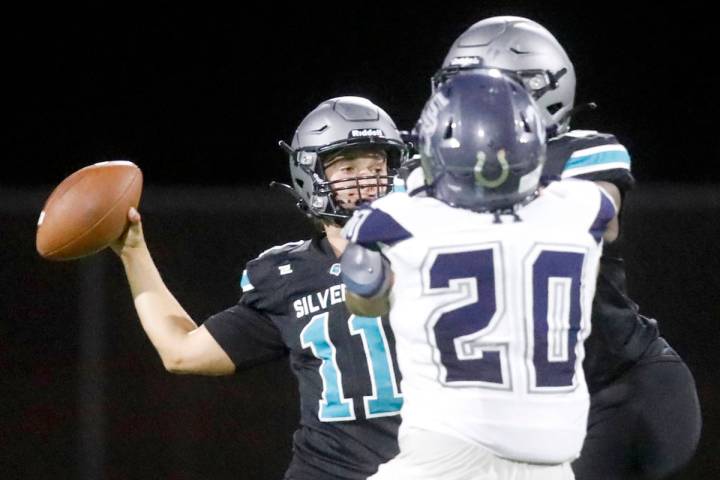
198	96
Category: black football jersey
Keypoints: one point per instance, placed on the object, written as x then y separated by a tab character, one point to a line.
293	303
589	155
620	335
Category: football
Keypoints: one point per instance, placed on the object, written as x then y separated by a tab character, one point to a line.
88	210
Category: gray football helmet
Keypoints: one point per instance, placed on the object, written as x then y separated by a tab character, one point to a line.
523	48
335	125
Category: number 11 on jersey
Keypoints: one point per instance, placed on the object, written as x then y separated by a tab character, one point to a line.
385	399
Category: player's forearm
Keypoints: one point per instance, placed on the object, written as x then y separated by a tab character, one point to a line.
162	317
367	307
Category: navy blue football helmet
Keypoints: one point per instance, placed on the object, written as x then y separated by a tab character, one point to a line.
482	142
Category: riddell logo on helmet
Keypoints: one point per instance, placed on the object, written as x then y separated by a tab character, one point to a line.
463	62
367	132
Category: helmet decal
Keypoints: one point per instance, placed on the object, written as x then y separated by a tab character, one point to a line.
480	177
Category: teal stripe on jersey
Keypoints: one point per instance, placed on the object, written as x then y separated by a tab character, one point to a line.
245	282
599	158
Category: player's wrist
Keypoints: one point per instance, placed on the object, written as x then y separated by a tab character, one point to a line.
133	254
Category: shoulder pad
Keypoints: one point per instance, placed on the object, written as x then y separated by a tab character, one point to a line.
269	264
579	133
586	152
285	248
576	140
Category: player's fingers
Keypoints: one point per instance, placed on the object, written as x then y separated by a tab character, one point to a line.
133	215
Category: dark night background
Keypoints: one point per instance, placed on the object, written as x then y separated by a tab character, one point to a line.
198	96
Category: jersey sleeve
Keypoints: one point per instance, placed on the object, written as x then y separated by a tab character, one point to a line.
604	213
587	205
590	155
374	226
246	335
246	331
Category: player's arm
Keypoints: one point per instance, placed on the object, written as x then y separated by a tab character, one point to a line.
597	157
613	228
367	307
368	279
183	346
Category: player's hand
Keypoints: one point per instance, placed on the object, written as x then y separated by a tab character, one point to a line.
133	238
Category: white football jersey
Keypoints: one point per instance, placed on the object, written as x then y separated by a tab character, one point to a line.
490	318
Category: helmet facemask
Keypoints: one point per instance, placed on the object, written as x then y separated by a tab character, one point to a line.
356	176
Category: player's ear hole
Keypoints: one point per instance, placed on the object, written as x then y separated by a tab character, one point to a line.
448	130
554	107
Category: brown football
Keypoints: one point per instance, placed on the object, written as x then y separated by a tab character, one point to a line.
88	210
